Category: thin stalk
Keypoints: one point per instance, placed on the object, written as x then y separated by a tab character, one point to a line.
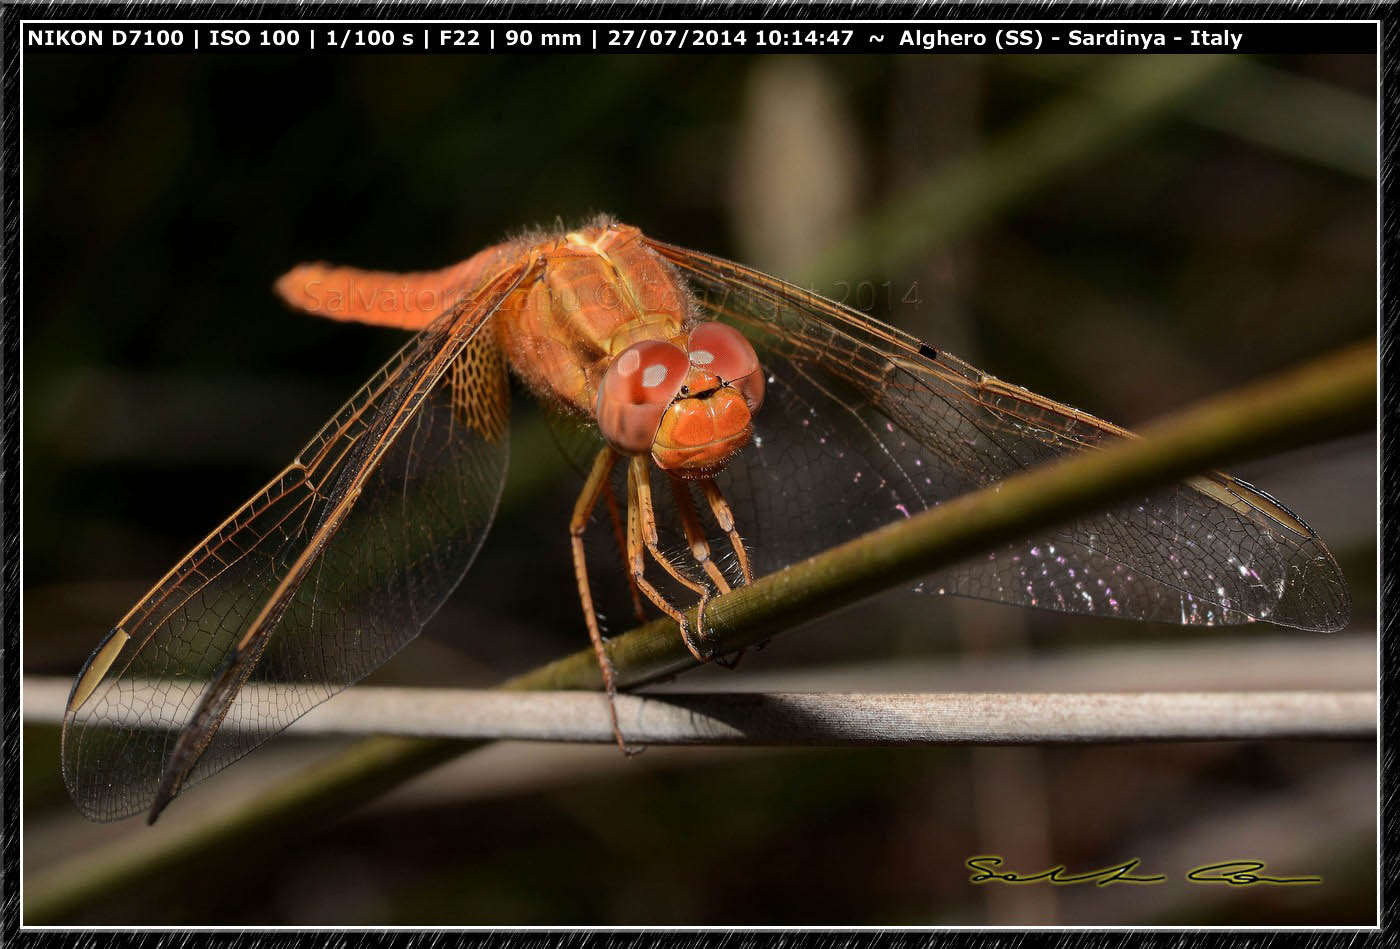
840	719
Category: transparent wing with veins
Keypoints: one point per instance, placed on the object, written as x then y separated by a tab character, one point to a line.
864	424
311	585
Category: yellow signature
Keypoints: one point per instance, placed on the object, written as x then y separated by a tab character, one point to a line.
1229	872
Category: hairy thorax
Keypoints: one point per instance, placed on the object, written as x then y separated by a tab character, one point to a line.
600	290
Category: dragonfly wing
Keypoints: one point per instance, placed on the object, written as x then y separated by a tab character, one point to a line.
311	585
863	424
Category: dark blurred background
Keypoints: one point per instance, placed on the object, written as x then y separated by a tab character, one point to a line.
1123	234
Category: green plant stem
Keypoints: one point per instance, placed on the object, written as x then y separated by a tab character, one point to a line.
1330	397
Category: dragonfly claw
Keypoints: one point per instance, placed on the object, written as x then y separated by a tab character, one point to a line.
697	646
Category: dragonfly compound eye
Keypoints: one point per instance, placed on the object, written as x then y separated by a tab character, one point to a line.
641	382
721	349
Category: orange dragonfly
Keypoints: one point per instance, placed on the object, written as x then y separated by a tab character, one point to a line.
780	422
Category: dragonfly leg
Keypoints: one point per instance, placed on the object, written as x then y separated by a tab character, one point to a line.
641	534
700	551
610	499
725	518
583	510
695	534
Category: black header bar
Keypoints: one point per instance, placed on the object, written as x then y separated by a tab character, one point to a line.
469	36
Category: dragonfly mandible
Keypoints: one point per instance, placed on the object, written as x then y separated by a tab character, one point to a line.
779	422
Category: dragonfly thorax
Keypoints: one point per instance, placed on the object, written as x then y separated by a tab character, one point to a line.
596	292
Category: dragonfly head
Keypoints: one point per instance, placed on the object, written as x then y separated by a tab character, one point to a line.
691	407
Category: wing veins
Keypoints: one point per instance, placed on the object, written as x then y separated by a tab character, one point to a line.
144	614
782	294
1022	428
445	344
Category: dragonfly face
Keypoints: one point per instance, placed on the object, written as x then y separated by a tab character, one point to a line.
691	406
799	423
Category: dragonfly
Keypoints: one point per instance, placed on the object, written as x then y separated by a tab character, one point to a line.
729	423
